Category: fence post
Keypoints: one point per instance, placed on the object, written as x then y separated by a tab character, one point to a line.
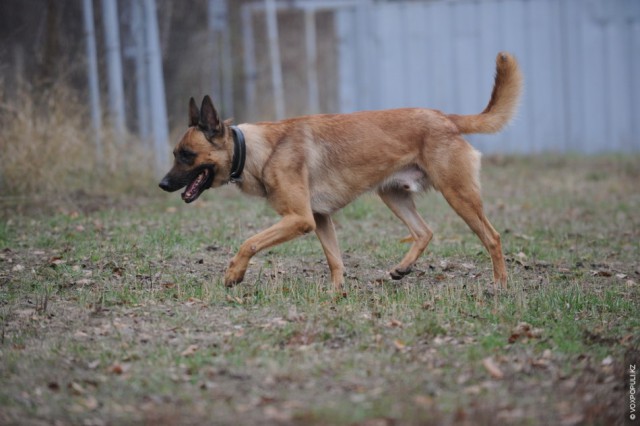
159	126
92	74
114	67
312	63
249	59
274	56
141	67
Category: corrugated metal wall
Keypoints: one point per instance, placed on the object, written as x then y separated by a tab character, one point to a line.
581	60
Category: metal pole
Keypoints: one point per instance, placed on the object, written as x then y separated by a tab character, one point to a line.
142	89
312	70
114	67
92	74
214	43
159	127
227	63
249	59
274	56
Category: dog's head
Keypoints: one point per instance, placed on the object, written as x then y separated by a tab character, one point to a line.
202	158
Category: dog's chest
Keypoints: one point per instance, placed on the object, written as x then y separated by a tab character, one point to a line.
330	194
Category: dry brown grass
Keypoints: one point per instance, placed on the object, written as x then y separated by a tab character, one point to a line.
47	146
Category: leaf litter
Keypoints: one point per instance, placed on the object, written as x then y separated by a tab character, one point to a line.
277	350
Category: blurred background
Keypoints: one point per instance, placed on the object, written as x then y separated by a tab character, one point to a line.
94	93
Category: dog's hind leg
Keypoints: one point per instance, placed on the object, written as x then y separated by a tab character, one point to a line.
467	203
459	184
327	235
402	205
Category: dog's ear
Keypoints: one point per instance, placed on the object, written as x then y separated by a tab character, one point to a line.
209	121
194	113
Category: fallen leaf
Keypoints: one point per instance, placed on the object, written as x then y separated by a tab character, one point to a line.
601	273
524	237
234	299
89	402
399	345
294	316
273	413
394	323
446	266
524	329
473	390
423	400
193	301
79	334
191	349
56	261
493	369
75	388
83	281
117	368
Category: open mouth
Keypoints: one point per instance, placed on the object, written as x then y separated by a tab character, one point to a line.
197	186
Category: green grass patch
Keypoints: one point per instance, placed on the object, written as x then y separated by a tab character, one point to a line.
118	314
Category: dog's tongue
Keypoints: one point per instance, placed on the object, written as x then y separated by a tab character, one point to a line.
193	188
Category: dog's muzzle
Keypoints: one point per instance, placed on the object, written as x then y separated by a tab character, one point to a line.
196	182
166	185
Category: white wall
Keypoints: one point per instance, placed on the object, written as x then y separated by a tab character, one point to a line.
581	61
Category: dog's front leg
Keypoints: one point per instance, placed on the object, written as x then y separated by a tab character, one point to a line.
290	227
327	235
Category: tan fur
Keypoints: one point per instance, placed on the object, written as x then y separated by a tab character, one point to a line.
309	167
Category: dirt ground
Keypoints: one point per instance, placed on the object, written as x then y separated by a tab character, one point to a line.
112	309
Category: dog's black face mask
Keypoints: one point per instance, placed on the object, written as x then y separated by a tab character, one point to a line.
200	156
196	181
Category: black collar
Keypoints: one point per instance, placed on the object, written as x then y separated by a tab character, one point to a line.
239	155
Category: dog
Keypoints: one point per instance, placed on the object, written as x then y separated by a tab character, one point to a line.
309	167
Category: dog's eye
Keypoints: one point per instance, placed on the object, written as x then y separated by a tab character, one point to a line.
186	156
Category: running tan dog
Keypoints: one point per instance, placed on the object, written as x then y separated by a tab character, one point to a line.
310	167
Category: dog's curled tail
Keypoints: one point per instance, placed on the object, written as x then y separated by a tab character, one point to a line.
504	101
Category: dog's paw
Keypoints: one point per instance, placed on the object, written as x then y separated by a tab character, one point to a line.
228	282
399	273
231	279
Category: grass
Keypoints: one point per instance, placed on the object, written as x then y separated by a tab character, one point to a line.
48	148
112	311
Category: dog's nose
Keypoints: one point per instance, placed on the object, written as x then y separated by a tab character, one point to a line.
164	184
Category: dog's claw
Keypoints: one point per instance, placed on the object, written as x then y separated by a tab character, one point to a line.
399	273
232	281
